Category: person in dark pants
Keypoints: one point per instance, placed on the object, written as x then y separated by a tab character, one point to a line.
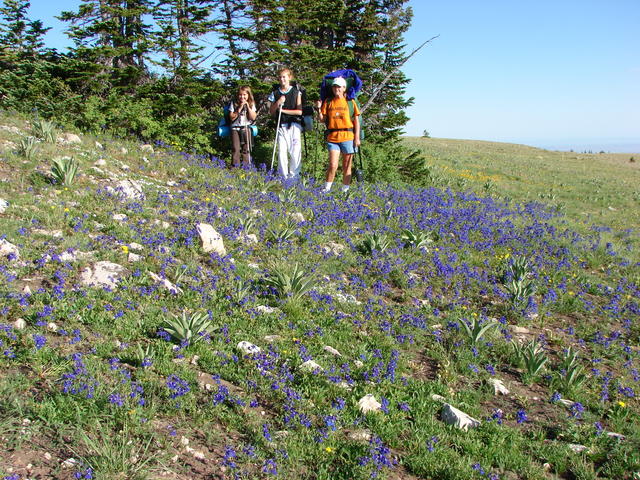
242	113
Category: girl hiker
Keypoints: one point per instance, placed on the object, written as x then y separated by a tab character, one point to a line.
343	132
288	98
242	113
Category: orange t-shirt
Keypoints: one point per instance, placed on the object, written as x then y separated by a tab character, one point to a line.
336	116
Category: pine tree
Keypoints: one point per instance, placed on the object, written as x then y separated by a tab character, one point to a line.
20	36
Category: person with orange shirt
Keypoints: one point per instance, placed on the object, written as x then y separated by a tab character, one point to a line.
343	132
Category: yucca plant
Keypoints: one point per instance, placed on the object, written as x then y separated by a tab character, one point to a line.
290	284
188	328
417	239
27	147
64	170
283	232
373	242
44	130
531	358
288	196
517	282
239	291
571	375
247	223
476	329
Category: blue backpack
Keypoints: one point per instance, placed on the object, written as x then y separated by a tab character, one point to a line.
354	84
224	124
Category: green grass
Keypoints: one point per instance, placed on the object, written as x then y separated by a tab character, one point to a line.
406	304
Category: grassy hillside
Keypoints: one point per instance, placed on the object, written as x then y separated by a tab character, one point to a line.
601	189
325	336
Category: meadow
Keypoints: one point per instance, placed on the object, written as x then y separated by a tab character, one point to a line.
316	336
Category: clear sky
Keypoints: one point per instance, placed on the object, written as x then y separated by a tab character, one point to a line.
555	74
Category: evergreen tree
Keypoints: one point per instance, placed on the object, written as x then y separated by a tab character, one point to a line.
20	36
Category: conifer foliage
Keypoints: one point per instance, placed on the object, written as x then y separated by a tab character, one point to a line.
163	69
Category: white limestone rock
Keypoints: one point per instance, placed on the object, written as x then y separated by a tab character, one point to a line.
360	435
8	248
146	148
297	217
101	162
69	139
3	205
438	398
333	248
248	239
20	324
452	416
165	283
331	350
211	240
368	403
102	274
136	247
499	387
576	448
272	338
266	309
119	217
519	330
310	366
255	212
248	347
134	257
127	190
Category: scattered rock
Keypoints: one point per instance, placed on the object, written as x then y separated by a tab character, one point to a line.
146	148
617	436
102	274
135	247
574	447
255	212
119	217
101	162
11	129
332	351
358	363
134	257
211	240
360	435
165	283
70	463
98	145
127	189
310	366
519	330
368	403
3	205
297	217
248	347
566	402
9	249
52	327
266	309
69	138
48	233
272	338
499	387
348	298
438	398
124	151
333	248
249	239
452	416
20	324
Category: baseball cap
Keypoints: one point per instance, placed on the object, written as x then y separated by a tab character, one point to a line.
340	82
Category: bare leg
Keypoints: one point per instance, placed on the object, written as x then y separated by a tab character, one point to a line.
346	168
334	156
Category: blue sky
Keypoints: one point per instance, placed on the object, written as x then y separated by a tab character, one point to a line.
560	73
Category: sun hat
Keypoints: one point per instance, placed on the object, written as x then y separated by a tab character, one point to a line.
339	81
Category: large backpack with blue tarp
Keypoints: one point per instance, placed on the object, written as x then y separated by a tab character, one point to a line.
354	84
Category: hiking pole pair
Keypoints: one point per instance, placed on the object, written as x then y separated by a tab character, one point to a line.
275	142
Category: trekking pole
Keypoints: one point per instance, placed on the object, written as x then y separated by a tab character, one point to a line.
248	140
275	142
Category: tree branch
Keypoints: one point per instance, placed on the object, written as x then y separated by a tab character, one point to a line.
386	79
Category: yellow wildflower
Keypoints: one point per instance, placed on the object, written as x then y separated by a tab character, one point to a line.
125	249
329	450
621	404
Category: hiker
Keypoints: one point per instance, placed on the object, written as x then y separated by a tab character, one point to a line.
286	106
343	132
242	113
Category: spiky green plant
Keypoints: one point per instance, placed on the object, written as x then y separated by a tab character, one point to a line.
188	327
531	358
247	223
571	375
476	329
373	242
517	282
64	170
417	238
282	232
27	147
290	283
44	130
